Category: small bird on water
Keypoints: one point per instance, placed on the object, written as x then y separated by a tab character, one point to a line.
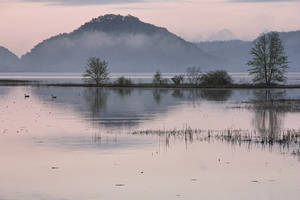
26	95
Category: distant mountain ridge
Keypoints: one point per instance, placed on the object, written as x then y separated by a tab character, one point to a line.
128	45
116	24
235	53
8	61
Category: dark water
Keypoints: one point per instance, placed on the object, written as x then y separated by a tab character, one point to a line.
81	145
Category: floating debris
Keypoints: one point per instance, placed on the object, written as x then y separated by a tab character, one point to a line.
255	181
54	167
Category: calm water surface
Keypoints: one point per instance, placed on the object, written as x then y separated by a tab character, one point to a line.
81	146
292	77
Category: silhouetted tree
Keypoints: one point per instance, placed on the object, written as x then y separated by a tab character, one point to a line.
269	62
158	79
96	71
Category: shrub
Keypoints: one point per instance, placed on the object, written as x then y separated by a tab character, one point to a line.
219	77
123	81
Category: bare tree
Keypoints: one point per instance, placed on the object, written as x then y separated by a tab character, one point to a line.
269	62
96	71
193	75
178	79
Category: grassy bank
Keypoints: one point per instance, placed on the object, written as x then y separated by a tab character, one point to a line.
11	82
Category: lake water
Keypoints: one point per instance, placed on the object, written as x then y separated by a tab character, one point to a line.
292	78
91	143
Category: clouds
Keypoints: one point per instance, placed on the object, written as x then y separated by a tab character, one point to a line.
263	1
28	22
84	2
222	35
99	2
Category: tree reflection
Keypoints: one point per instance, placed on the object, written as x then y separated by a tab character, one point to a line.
158	94
216	94
206	94
178	93
123	92
96	99
269	108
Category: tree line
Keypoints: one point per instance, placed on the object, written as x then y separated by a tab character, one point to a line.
268	66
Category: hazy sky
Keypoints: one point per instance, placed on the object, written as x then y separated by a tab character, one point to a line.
24	23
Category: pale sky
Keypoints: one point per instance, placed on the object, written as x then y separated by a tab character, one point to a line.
24	23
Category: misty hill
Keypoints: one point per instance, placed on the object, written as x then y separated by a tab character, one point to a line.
235	53
8	61
128	44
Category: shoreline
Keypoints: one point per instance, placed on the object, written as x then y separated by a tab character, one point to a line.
12	82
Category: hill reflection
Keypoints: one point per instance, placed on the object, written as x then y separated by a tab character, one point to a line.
126	106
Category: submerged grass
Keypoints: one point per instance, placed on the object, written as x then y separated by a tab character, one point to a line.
238	136
286	141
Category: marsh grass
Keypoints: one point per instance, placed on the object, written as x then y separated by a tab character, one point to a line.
233	136
286	142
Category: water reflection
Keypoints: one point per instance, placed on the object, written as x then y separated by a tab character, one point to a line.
268	114
129	107
96	100
270	108
61	144
178	93
202	94
158	94
216	95
122	92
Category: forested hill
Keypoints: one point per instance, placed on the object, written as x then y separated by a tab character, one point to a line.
8	61
128	44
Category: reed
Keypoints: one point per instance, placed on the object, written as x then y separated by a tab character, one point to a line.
236	136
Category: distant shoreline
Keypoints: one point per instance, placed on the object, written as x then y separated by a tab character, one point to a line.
12	82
